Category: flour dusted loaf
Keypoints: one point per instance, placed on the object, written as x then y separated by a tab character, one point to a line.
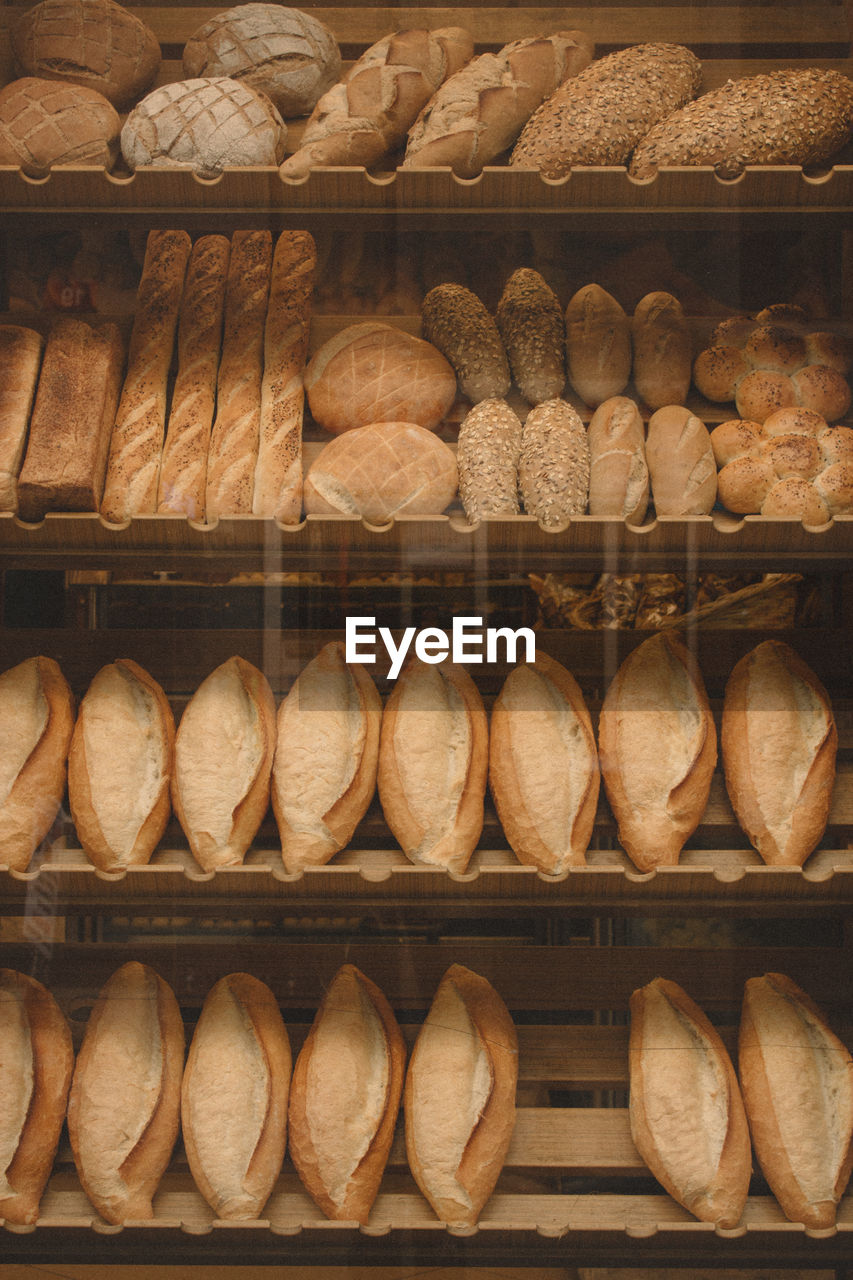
779	743
372	372
460	1096
685	1108
35	1072
553	469
36	723
488	450
20	360
598	345
94	43
657	748
543	766
120	766
345	1097
433	760
618	471
125	1099
530	321
284	53
234	1097
44	123
797	1082
327	752
223	758
456	321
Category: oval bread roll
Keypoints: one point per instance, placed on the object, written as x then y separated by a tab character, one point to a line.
36	722
657	748
598	345
460	1096
327	752
345	1097
488	450
234	1097
779	743
124	1105
797	1082
223	759
681	463
433	759
663	350
618	472
553	469
543	766
685	1109
530	320
120	766
456	321
35	1072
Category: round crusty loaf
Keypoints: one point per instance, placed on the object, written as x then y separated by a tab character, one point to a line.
598	117
553	471
487	455
94	43
289	55
206	123
456	321
530	320
785	117
45	123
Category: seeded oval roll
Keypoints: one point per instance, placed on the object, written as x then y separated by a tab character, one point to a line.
487	456
553	470
457	322
530	321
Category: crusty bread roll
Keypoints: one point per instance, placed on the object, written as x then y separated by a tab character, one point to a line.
223	758
598	345
618	472
553	468
125	1099
43	124
797	1082
779	743
345	1097
326	756
530	320
372	372
433	760
36	722
136	445
543	766
663	350
20	358
234	1097
380	471
289	55
460	1096
94	43
488	450
657	747
681	463
35	1072
455	321
685	1109
120	766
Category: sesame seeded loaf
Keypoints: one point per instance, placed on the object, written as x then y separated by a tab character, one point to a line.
487	456
530	320
553	470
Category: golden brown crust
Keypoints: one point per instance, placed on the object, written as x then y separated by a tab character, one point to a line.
663	350
718	1194
598	345
52	1064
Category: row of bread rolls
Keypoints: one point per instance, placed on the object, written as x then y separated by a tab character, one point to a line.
691	1120
130	1093
430	753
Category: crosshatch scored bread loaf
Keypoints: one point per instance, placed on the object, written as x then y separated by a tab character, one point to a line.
43	123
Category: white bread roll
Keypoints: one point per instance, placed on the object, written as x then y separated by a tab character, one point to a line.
20	358
618	472
234	1097
657	748
326	756
120	766
433	760
223	758
685	1109
372	372
345	1097
125	1099
543	766
458	324
460	1096
663	350
36	722
488	451
598	345
35	1072
681	463
797	1082
530	320
779	743
553	468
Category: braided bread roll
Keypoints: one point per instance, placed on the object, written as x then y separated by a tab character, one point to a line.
183	471
278	473
133	468
236	430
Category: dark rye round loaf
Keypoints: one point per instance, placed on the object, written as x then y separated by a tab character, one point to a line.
785	117
599	117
